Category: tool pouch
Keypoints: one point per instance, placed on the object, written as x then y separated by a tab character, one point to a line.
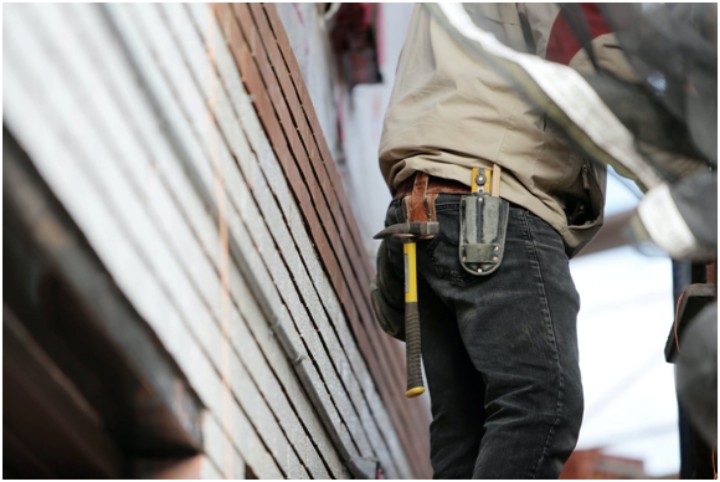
483	228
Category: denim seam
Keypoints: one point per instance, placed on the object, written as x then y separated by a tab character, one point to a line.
454	277
547	319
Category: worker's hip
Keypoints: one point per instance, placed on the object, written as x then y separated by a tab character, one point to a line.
441	257
532	257
512	332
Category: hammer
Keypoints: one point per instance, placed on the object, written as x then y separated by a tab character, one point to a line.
409	232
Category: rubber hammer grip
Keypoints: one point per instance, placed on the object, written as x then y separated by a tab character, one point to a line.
412	351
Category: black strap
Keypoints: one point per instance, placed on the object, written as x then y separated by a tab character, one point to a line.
578	24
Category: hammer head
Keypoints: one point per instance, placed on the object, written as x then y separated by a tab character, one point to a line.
415	229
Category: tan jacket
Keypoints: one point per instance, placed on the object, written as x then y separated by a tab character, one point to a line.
450	112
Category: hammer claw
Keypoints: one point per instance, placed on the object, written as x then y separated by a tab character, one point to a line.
415	229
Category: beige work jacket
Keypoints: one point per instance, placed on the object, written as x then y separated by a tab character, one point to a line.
449	112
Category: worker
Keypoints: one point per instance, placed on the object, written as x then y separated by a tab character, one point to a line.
496	300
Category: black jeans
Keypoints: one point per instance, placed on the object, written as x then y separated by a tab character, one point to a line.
499	352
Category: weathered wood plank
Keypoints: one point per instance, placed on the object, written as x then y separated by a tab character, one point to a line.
286	62
265	158
231	223
301	284
344	285
86	126
346	297
419	416
222	103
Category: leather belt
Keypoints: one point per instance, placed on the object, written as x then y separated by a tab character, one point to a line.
435	185
419	193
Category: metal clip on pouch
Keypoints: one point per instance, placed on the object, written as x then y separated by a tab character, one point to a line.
483	224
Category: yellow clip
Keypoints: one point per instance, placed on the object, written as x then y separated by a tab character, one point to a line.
474	186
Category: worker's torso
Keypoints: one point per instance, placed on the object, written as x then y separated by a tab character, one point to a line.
450	111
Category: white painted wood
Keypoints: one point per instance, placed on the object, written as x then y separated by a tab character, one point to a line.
54	159
112	243
219	442
319	280
271	211
237	90
146	12
157	236
258	229
260	421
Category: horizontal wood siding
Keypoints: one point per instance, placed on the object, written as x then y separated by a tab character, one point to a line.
271	75
183	143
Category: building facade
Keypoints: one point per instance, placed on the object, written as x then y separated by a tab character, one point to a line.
185	280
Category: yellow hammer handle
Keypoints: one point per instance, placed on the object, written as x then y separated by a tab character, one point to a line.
410	252
412	324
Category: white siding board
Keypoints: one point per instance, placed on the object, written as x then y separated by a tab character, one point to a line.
209	471
226	458
52	154
265	154
114	185
287	252
191	204
160	243
264	240
148	128
261	422
263	419
39	97
58	153
266	159
282	369
294	264
71	110
231	223
250	445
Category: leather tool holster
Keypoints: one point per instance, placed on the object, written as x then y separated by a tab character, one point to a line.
419	205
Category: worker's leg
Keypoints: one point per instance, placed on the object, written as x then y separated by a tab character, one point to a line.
456	391
518	326
455	387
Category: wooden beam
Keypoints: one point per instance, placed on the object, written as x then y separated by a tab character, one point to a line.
79	318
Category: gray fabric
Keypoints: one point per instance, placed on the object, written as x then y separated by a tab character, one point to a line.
387	294
696	373
696	199
483	226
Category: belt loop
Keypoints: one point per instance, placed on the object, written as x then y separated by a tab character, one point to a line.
495	187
